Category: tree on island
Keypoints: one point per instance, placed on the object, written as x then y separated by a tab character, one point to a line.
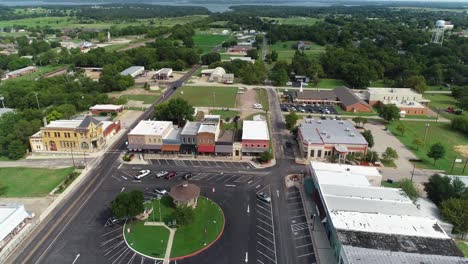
128	204
184	215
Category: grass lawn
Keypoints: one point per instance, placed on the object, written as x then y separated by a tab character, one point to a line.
391	185
286	51
149	240
330	83
420	117
438	132
146	98
261	97
208	41
224	113
209	96
31	182
343	112
440	102
388	163
463	247
207	225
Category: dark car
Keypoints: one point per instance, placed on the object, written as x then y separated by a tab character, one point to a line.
171	175
187	176
264	197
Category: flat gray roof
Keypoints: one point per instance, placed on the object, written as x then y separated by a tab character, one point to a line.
331	132
191	128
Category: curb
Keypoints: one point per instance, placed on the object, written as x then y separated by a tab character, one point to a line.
212	242
134	250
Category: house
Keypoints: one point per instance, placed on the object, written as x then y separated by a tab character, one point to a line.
185	194
366	223
242	49
247	59
350	102
13	218
69	135
383	95
255	137
228	78
217	75
324	139
188	137
303	45
163	74
133	71
106	108
301	78
208	134
20	72
315	96
148	135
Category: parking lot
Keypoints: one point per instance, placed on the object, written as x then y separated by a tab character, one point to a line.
265	233
300	227
310	108
201	163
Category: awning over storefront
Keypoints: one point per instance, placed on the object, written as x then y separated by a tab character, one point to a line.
206	149
223	149
173	148
140	147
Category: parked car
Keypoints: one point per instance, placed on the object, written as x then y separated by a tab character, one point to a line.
161	174
187	176
160	191
141	174
171	175
264	197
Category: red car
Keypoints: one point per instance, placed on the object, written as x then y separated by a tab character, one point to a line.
171	175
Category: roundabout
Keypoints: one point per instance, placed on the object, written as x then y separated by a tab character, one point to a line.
160	237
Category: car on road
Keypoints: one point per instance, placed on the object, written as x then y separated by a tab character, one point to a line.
160	174
141	174
160	191
257	106
171	175
187	176
264	197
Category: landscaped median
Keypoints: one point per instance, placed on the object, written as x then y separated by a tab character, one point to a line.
151	237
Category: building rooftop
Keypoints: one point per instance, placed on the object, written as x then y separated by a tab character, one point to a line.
226	137
132	70
190	128
165	71
184	192
396	91
357	255
406	104
20	71
64	124
106	107
347	97
328	95
208	128
6	110
151	128
11	215
255	130
331	132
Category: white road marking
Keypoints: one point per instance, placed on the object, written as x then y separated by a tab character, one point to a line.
265	246
123	177
248	208
107	241
105	234
123	188
246	257
304	245
266	256
76	258
264	237
116	178
277	193
109	250
264	230
229	185
258	186
263	222
120	166
301	237
263	215
305	255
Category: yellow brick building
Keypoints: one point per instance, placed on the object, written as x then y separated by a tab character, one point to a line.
69	135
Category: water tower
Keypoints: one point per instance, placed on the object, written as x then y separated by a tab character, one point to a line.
438	35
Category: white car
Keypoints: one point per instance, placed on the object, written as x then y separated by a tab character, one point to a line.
161	174
289	83
160	191
142	174
257	106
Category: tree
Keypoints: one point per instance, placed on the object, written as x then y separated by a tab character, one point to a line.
253	53
54	115
274	55
417	82
408	187
128	204
418	143
389	112
440	188
184	215
389	154
401	128
291	120
265	157
367	134
456	211
436	152
357	120
371	156
210	58
176	110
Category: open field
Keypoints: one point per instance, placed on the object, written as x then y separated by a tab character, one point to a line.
207	42
286	51
208	96
299	21
146	98
31	182
463	246
71	22
437	132
330	83
225	113
205	228
149	240
440	102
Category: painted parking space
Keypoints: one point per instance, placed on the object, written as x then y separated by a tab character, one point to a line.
200	163
265	233
299	227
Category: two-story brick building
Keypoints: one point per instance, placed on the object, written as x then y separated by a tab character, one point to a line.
208	134
148	135
255	137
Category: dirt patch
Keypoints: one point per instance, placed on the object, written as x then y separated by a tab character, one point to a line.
245	102
462	150
34	204
135	91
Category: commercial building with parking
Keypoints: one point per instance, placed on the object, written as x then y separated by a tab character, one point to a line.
322	139
366	223
407	100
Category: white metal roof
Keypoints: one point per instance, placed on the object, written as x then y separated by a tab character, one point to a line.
11	215
64	124
151	128
255	130
396	91
106	107
343	174
207	128
20	71
132	70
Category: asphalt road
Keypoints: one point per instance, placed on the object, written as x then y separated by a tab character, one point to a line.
255	232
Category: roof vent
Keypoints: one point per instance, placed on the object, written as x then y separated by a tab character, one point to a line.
347	129
348	169
324	132
319	122
184	184
352	135
341	122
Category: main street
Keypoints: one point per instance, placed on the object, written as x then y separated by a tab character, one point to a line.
255	232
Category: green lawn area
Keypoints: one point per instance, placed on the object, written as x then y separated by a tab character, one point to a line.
31	182
343	112
41	70
440	102
146	98
388	163
299	21
330	83
262	98
286	51
420	117
209	96
209	218
391	185
438	132
149	240
463	247
224	113
208	41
